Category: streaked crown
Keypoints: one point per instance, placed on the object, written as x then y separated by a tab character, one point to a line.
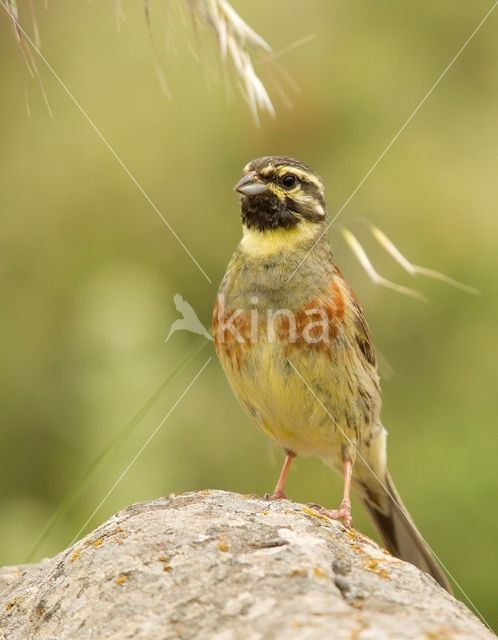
280	192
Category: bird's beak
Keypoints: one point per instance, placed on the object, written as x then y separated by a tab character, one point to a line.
250	185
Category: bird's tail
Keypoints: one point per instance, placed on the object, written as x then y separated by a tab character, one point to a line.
401	536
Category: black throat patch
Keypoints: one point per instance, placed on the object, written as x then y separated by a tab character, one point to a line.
266	211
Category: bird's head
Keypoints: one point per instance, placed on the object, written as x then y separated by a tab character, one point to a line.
278	193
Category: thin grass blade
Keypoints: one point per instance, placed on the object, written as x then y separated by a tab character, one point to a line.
414	269
369	269
106	453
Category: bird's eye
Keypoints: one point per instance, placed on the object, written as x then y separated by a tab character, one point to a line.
289	180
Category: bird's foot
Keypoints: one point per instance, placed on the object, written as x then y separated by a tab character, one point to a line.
343	514
278	495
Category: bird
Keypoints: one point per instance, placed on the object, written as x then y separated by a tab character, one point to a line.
189	321
297	351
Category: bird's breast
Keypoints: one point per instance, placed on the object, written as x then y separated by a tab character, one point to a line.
316	325
289	368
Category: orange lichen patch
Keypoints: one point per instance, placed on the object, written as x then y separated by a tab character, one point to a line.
353	534
113	534
166	565
373	566
96	542
314	514
361	626
223	545
298	573
442	633
205	492
121	579
319	573
75	556
356	548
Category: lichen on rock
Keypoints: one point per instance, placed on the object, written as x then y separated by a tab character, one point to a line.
223	566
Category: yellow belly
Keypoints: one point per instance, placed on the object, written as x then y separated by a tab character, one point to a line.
299	397
313	393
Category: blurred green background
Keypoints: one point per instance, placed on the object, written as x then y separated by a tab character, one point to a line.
88	269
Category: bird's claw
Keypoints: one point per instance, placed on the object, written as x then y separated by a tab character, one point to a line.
343	514
278	495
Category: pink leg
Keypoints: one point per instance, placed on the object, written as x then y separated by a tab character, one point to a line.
279	493
344	512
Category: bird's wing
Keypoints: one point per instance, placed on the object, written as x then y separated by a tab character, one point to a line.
363	335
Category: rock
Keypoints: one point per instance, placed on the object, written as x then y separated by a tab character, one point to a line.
225	566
